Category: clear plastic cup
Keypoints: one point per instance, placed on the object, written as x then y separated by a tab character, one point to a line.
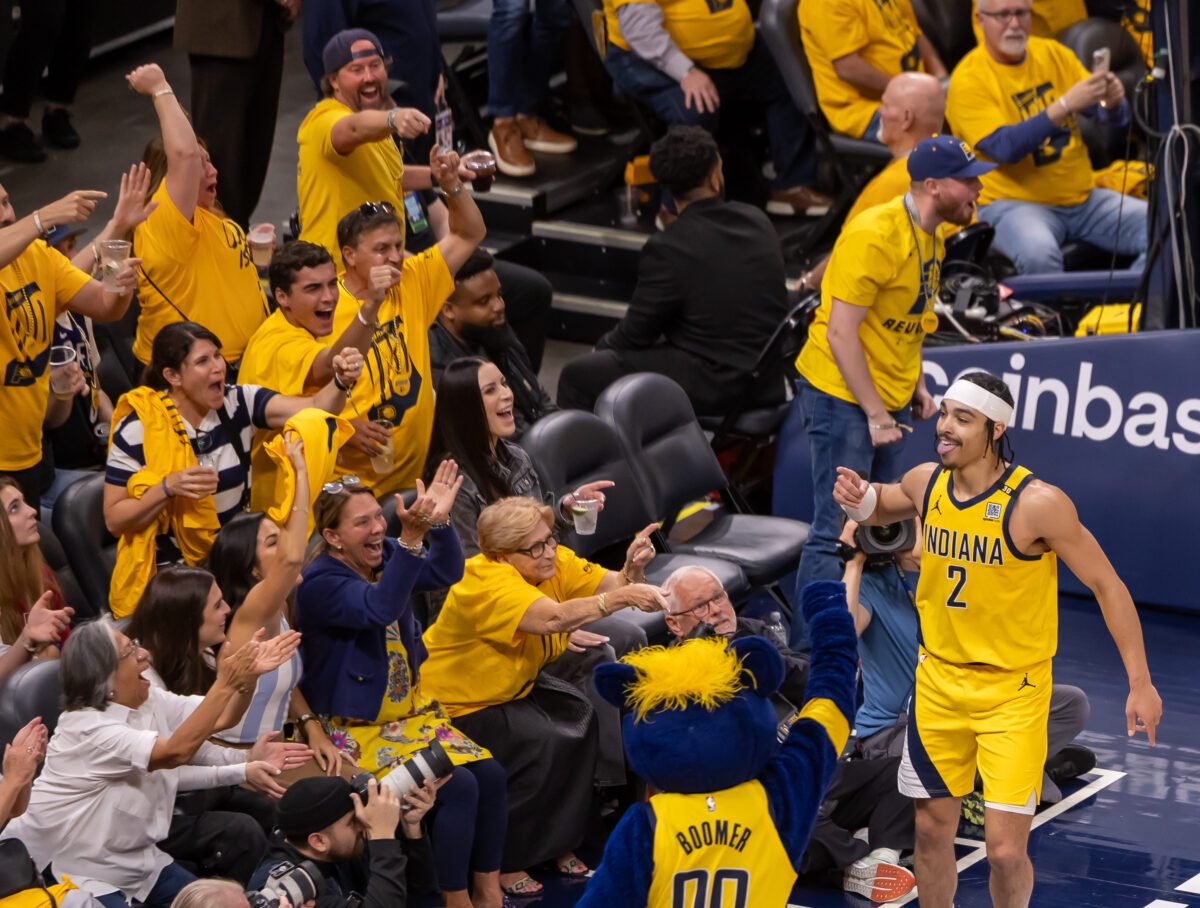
208	461
385	460
585	514
261	240
61	374
113	254
483	164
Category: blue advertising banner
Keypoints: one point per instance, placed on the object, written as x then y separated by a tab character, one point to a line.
1113	421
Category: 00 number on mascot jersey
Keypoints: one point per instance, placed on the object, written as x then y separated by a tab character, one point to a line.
690	888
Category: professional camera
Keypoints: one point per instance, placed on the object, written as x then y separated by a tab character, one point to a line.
425	765
298	882
880	543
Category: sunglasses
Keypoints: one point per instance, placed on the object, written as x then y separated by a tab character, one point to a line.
347	482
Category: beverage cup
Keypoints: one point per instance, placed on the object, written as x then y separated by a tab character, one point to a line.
383	462
585	513
261	240
113	254
207	461
483	164
61	374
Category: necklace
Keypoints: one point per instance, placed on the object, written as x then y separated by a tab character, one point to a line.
931	276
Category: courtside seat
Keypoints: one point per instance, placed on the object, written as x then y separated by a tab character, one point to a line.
90	549
466	21
34	689
56	560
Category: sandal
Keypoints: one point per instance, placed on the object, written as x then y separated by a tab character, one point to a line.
525	887
573	868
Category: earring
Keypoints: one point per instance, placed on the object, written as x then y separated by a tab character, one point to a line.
111	694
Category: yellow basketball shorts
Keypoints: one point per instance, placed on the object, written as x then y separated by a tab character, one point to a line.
964	716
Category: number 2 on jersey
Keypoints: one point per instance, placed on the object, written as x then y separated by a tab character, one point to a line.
958	574
696	895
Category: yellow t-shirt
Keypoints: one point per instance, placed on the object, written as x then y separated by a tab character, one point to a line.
203	267
888	184
477	655
883	32
331	185
1136	20
279	356
875	264
37	286
985	95
716	34
1049	18
397	383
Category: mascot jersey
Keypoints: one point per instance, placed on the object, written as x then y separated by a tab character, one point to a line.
734	809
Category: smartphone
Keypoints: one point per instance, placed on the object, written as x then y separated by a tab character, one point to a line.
1101	60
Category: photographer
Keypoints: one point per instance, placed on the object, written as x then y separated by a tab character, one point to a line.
324	828
879	560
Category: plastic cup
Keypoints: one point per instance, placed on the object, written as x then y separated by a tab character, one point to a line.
208	461
61	375
113	254
385	460
483	165
261	240
585	514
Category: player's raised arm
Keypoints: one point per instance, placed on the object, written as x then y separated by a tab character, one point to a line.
1052	518
878	503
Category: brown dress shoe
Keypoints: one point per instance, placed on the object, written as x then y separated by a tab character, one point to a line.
512	157
798	200
539	136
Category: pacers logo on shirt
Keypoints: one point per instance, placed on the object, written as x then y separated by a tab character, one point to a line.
1031	102
30	329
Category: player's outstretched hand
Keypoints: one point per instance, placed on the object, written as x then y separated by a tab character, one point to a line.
1143	711
849	488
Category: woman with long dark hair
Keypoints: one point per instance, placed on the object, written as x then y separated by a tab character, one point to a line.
178	464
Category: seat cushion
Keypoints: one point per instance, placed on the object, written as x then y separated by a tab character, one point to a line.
766	548
732	577
467	21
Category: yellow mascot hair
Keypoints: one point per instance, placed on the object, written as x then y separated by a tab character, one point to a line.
703	671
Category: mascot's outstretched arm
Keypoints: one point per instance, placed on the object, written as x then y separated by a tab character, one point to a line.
796	780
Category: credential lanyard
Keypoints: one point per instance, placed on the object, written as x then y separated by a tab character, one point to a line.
927	292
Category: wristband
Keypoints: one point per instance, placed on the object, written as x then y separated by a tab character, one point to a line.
364	322
163	91
166	489
1066	109
37	223
866	509
600	602
391	119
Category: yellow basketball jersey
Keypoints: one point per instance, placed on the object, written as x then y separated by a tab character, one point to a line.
979	599
718	849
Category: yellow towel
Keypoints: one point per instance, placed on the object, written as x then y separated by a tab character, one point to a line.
40	898
323	435
193	522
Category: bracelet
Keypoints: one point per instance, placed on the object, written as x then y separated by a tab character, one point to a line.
307	717
453	192
440	526
1063	102
415	550
391	119
628	580
37	223
600	597
166	489
30	647
337	383
366	324
880	426
163	91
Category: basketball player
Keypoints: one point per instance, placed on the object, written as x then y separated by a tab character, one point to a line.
987	599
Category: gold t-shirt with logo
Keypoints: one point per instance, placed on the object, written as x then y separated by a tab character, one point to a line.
715	34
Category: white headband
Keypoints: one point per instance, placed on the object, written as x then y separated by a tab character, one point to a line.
981	399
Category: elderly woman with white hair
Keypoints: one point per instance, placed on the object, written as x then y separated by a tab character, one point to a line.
121	751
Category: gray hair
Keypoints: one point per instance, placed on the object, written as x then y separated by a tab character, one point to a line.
211	894
678	576
88	662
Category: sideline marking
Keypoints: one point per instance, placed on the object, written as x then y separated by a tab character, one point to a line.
1192	886
1101	779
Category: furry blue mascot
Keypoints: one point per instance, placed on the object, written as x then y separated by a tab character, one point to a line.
734	809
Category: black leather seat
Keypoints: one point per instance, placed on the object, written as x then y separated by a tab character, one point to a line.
667	447
56	560
90	549
467	21
34	689
947	25
572	447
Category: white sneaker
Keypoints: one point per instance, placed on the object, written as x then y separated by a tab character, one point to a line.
877	879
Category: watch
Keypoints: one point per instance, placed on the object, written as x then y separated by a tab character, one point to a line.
846	552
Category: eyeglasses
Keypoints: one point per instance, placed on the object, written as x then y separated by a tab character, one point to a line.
539	548
346	483
706	604
370	209
1003	15
131	650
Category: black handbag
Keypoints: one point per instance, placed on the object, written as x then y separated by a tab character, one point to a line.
18	873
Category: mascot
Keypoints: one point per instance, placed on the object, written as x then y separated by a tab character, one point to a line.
733	808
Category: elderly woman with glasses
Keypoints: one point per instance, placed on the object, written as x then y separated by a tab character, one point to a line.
363	654
105	796
519	607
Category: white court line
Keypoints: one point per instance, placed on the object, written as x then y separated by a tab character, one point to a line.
1160	903
1101	779
1192	885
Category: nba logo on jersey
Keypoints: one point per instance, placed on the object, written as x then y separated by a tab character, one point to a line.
992	512
711	803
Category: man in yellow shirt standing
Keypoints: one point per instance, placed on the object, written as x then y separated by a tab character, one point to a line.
688	58
1017	99
854	47
860	369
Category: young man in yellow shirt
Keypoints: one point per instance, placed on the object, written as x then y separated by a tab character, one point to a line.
689	58
853	48
1017	99
860	370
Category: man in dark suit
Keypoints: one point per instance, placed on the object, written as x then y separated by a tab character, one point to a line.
710	291
235	48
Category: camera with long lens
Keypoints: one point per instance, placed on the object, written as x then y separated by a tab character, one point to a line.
297	882
428	763
882	543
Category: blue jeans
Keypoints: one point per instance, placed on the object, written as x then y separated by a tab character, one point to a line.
1032	235
524	51
838	437
172	879
755	82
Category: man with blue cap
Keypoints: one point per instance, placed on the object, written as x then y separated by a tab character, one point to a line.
860	370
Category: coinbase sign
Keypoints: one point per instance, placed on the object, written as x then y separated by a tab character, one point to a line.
1114	422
